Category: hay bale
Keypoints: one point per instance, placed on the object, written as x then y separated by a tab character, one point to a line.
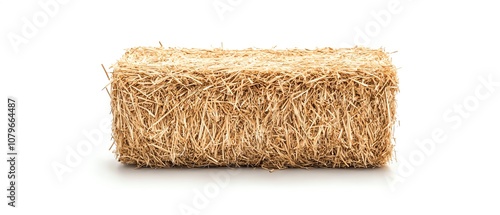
262	108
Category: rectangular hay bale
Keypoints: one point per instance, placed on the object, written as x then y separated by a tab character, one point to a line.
255	107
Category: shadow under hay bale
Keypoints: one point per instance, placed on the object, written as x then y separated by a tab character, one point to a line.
264	108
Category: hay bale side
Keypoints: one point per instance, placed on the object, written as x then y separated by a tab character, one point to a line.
263	108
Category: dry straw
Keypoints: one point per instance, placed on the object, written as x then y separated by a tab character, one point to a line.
255	107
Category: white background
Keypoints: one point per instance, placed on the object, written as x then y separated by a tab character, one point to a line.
444	49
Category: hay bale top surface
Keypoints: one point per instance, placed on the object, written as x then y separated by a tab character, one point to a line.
290	62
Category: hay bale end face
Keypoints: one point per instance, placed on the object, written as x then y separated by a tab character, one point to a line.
262	108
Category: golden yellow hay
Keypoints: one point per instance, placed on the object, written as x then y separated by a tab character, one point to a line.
255	107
